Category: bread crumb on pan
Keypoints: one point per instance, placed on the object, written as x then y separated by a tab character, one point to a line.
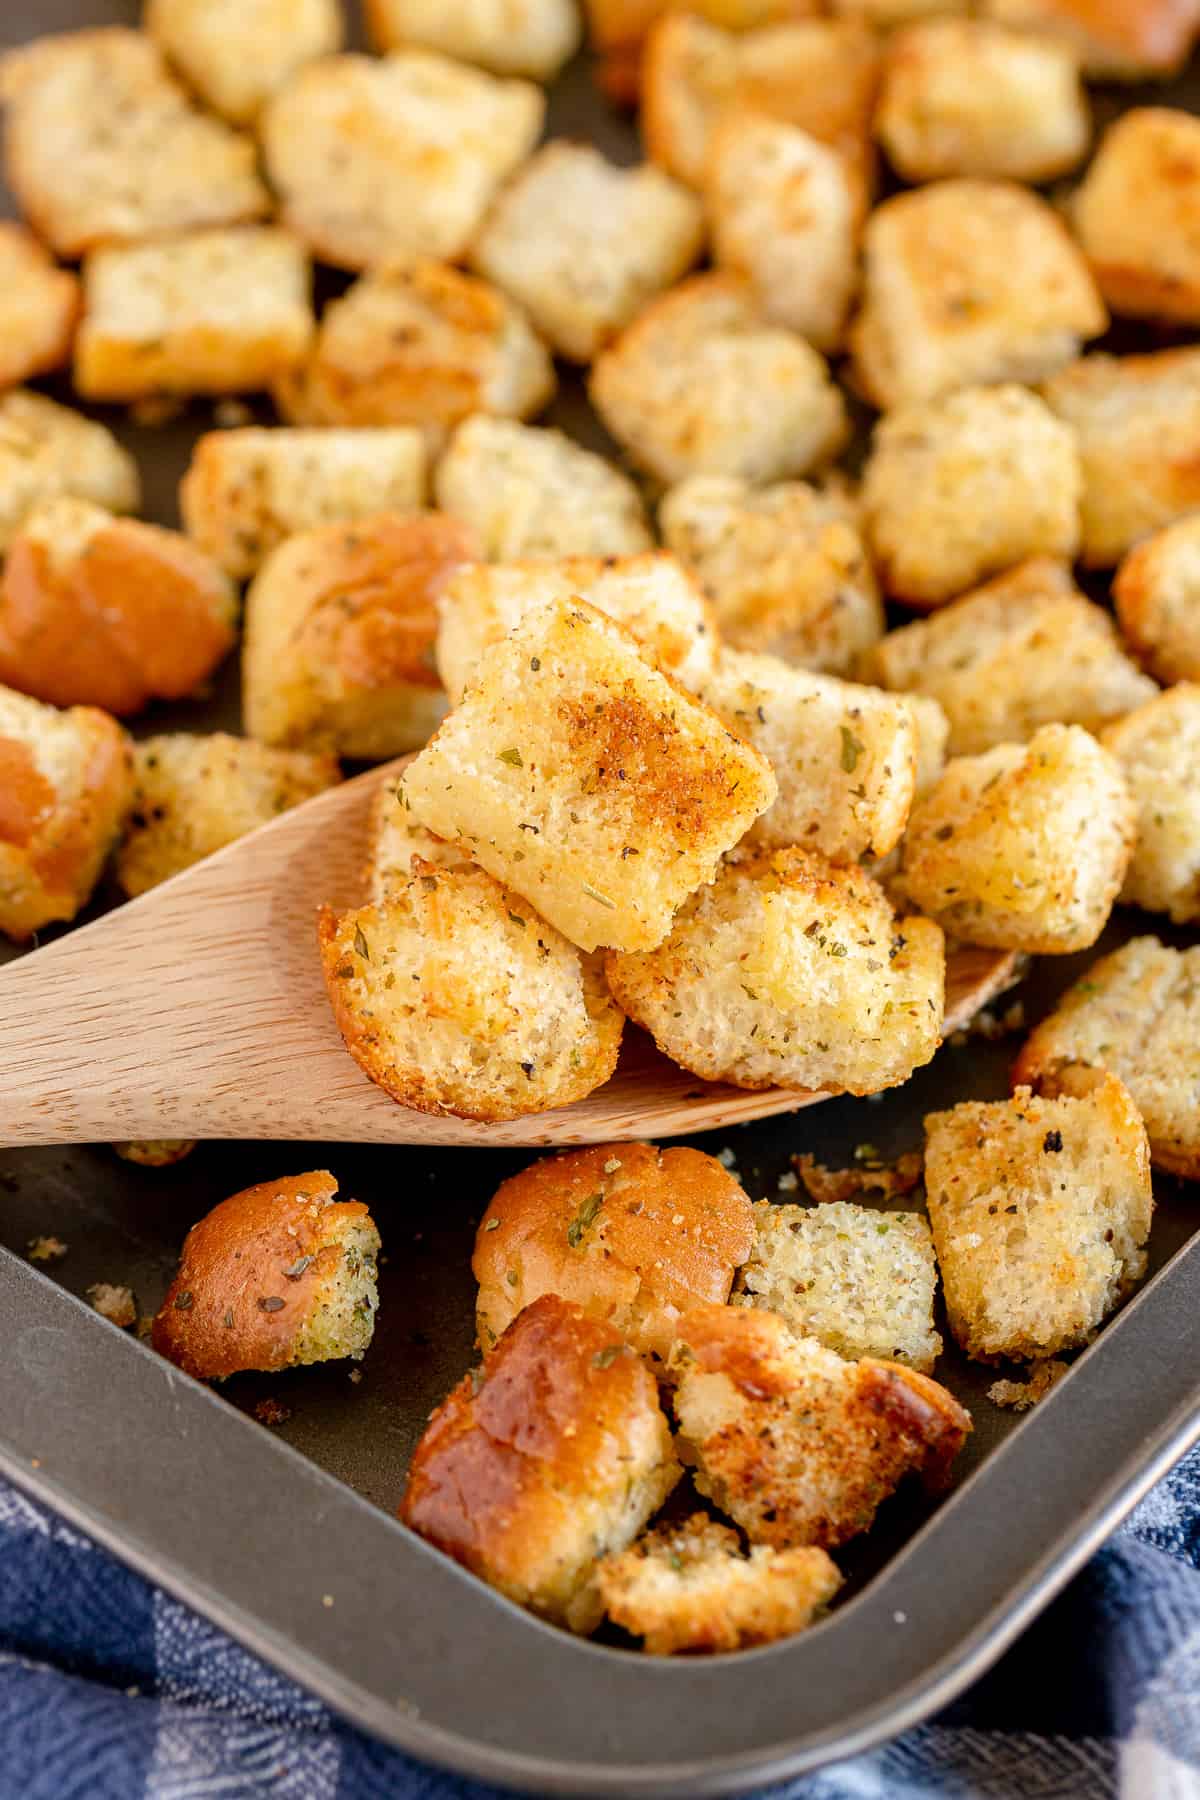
1022	1395
39	307
506	37
1156	592
47	450
1158	748
116	1304
237	53
46	1249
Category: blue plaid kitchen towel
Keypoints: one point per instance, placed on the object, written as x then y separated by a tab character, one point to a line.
109	1690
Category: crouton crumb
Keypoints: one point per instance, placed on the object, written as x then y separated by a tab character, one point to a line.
45	1249
869	1177
1021	1395
116	1304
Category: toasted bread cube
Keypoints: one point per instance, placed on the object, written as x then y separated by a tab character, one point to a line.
39	307
1024	651
216	312
396	157
340	625
619	26
1136	215
1026	846
1136	421
702	384
1158	748
795	1444
1118	40
102	145
651	595
193	794
1040	1212
791	972
529	492
47	450
960	487
531	37
632	1234
396	842
247	490
966	97
784	566
237	53
1156	592
583	245
279	1275
1136	1014
99	611
968	282
690	1587
66	781
858	1280
588	781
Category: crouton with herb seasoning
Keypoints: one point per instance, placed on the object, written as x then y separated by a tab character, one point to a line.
507	37
789	971
278	1275
39	307
395	841
237	53
531	492
1158	748
47	450
797	1445
633	1234
687	1588
393	157
1040	1211
1118	40
340	624
1156	592
1024	847
588	781
1135	213
552	1454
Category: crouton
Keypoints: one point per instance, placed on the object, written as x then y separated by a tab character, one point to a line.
1026	846
1156	592
651	595
276	1276
396	841
1040	1212
533	37
1136	421
534	493
784	566
885	15
39	307
396	157
193	794
553	1453
1158	748
425	346
65	785
858	1280
633	1234
47	450
155	1153
588	781
966	97
618	26
100	611
1024	651
216	312
247	490
1118	40
933	739
796	1445
340	625
102	146
689	1588
968	282
790	972
1135	215
960	487
237	53
1136	1014
701	384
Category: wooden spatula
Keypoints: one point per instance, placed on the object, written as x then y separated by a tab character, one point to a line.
199	1011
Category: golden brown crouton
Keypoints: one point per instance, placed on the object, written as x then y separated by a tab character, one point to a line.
968	282
506	37
155	1153
784	567
702	384
1024	847
689	1588
65	784
1156	592
618	26
633	1234
216	312
583	245
1135	215
1118	40
39	306
396	841
278	1275
1135	1013
1040	1210
237	53
193	794
47	450
796	1445
340	625
552	1454
393	157
1023	651
1158	748
788	971
588	781
99	611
